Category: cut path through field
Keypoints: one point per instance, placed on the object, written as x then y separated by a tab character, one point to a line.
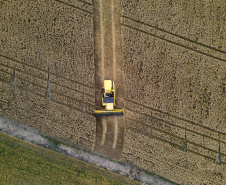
108	65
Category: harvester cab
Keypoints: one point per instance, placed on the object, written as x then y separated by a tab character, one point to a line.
108	100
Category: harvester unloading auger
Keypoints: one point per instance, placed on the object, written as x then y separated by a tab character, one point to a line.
108	100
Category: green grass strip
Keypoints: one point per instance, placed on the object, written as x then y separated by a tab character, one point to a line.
25	163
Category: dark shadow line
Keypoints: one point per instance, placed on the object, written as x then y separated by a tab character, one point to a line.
178	126
84	2
11	74
40	95
93	96
175	43
187	129
80	101
184	38
52	92
73	6
155	128
192	151
45	71
71	107
172	144
13	68
167	114
34	84
196	144
46	80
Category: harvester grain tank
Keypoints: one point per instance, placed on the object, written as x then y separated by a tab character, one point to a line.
108	100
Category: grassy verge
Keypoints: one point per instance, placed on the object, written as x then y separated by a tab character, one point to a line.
25	163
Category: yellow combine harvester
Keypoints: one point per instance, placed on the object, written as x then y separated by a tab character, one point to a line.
108	100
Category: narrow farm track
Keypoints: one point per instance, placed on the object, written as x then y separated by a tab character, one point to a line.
108	65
